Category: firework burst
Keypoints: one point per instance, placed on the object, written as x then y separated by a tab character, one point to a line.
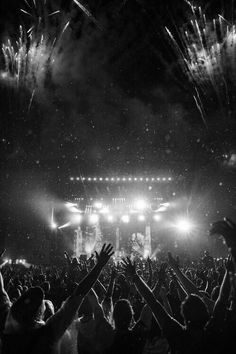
207	52
29	59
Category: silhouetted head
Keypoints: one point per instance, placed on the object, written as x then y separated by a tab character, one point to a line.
194	311
29	307
122	314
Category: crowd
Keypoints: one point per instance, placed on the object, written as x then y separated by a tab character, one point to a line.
97	306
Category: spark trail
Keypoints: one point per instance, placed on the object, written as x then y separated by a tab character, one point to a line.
207	53
29	59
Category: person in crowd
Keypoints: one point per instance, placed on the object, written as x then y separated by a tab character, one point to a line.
148	306
26	332
201	333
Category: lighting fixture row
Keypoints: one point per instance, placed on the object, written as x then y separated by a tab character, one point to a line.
121	179
95	219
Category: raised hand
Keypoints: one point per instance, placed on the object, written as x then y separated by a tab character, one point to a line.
83	268
105	254
227	229
129	267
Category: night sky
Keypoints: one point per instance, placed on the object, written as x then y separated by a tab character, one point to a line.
115	102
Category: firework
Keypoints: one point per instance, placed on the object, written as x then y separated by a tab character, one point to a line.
207	53
88	13
29	59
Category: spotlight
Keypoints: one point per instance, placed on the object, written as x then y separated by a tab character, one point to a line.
72	178
125	219
110	218
76	219
146	253
157	217
140	204
53	225
141	218
93	219
184	225
65	225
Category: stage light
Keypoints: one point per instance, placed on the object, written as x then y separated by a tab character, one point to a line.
146	253
76	219
100	179
169	179
83	179
130	179
89	179
77	178
147	179
112	179
98	205
89	248
118	179
53	225
141	179
140	204
125	219
124	179
110	218
106	179
93	219
184	225
65	225
158	179
163	207
72	178
153	179
164	179
135	179
157	217
95	179
141	218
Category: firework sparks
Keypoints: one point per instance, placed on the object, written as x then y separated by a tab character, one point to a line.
87	13
207	54
29	59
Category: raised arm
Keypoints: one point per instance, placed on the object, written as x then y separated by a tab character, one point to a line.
64	316
158	310
222	300
188	285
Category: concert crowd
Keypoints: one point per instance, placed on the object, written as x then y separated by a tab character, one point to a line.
133	306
